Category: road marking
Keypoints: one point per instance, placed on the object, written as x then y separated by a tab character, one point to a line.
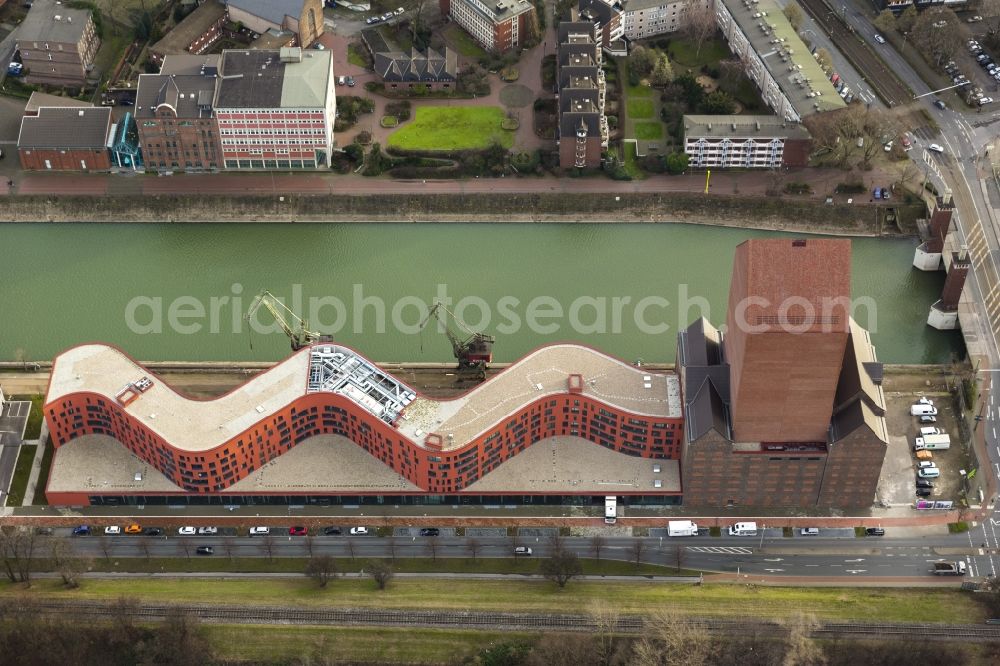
858	560
812	565
776	559
856	571
774	570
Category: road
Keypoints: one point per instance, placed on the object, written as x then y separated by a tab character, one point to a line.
836	552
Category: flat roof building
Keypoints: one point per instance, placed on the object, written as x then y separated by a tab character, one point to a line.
746	142
302	18
275	109
790	79
583	126
498	25
66	139
327	397
194	34
57	44
40	99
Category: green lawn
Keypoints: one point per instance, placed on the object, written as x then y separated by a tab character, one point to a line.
352	645
462	42
34	426
22	470
641	108
632	161
685	53
452	128
648	130
43	474
883	605
356	56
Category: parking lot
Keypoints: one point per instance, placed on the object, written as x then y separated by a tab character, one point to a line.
897	484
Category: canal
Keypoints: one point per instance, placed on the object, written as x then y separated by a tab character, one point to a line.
178	292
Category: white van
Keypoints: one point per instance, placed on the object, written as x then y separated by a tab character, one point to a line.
743	529
924	432
929	473
922	410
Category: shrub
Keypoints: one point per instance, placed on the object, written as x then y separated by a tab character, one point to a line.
959	527
676	163
851	188
969	393
652	164
400	109
798	188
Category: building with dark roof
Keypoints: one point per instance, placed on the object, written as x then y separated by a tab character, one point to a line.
498	25
606	17
405	69
175	114
275	109
40	99
302	18
66	139
745	142
194	34
57	44
786	408
583	127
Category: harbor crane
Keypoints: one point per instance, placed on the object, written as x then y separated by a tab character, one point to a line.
300	336
475	352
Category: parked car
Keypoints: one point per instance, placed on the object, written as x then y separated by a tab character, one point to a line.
297	530
341	80
208	530
15	69
332	531
430	532
924	483
809	531
984	100
205	550
373	19
924	400
924	464
887	147
350	81
153	531
359	531
187	530
874	531
928	418
112	530
929	473
923	492
522	551
974	19
82	530
400	11
260	531
936	148
44	531
134	528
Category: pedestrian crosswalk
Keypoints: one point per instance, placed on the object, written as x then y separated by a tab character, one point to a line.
722	550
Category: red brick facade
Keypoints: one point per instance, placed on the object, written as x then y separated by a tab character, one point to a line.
33	159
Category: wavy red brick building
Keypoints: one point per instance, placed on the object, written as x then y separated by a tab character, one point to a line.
223	448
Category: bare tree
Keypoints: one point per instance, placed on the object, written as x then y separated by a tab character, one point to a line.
671	638
597	543
380	572
877	127
66	563
836	132
310	545
680	553
17	547
322	569
432	547
794	14
179	628
557	543
907	19
937	33
824	58
638	548
267	546
472	545
350	548
185	544
885	21
390	543
605	617
106	546
700	24
802	650
144	546
229	547
561	567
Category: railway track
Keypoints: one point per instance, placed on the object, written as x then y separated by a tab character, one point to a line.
859	53
627	624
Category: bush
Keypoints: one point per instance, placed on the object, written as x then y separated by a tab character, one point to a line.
851	188
389	121
612	122
969	393
798	188
400	109
676	163
652	164
958	528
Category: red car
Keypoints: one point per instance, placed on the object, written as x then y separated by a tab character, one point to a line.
297	530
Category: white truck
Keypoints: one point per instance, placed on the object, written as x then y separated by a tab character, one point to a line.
949	568
932	443
743	529
610	509
678	528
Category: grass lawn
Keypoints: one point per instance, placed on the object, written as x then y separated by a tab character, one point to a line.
125	11
452	128
641	108
43	474
632	162
648	130
22	470
34	427
684	52
352	645
356	56
885	605
461	41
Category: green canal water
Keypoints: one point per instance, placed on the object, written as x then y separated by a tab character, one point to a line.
177	292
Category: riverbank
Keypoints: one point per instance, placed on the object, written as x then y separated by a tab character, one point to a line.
735	211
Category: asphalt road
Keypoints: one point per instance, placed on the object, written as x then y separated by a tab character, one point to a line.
835	552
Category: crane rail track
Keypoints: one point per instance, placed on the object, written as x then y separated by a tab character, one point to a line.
860	54
628	624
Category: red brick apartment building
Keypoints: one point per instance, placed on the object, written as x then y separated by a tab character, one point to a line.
326	425
498	25
786	408
66	139
583	127
57	44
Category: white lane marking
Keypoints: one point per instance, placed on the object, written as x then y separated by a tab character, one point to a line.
774	570
856	571
775	559
858	560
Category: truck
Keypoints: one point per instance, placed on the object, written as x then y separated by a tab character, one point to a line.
681	528
948	568
932	443
743	529
610	509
